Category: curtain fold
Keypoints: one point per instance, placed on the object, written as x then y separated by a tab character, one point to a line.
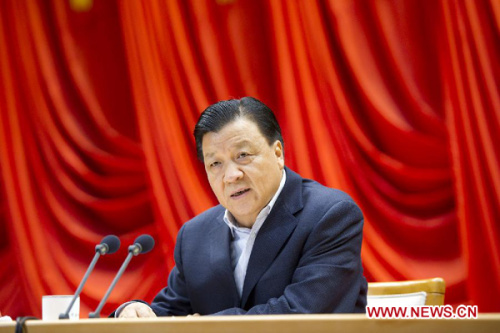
472	109
395	102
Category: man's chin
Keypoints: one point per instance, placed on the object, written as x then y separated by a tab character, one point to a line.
244	219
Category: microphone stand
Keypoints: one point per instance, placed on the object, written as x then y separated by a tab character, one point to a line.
65	315
96	313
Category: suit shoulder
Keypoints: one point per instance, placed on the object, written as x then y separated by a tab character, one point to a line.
205	219
317	193
319	199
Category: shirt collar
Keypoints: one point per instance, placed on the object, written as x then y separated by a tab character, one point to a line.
230	220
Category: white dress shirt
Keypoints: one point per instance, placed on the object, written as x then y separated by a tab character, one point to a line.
244	238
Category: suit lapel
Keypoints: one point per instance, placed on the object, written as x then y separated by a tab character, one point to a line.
220	260
274	232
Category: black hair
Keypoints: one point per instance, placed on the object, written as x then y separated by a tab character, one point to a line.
218	115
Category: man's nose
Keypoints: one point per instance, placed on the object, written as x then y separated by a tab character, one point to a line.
232	173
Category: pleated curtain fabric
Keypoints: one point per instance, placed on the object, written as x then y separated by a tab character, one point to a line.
395	102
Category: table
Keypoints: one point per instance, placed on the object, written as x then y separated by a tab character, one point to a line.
265	323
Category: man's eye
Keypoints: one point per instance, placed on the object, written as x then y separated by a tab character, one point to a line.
214	164
242	155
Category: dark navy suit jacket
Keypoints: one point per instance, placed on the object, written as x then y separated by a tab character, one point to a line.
306	259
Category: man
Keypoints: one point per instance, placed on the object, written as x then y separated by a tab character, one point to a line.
277	243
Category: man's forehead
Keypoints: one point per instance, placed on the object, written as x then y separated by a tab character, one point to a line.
237	133
211	148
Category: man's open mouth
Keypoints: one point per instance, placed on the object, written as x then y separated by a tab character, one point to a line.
237	194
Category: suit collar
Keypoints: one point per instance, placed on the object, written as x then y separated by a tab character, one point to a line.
274	233
291	196
220	257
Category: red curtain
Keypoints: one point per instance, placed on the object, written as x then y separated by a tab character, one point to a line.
395	102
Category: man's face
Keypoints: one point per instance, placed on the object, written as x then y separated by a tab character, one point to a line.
243	170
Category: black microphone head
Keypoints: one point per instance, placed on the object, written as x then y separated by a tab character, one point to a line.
146	242
112	242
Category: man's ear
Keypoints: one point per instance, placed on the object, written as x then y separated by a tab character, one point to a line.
279	153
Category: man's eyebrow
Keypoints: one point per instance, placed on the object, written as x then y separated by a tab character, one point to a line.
242	143
209	155
238	144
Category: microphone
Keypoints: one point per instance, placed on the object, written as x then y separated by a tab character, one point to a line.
142	244
109	244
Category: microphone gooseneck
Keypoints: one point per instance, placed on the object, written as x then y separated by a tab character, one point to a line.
142	244
109	244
